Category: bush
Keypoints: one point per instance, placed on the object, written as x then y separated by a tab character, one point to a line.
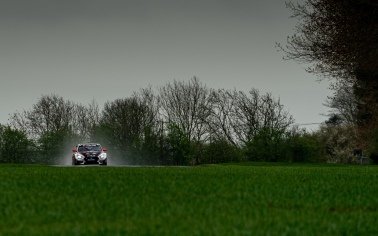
338	141
267	145
56	144
220	151
15	147
289	146
180	147
305	147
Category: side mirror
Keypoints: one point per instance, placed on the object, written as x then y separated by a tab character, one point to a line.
74	150
104	149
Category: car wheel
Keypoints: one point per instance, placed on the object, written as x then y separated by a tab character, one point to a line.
74	162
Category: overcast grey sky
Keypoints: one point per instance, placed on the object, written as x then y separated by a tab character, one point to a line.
106	49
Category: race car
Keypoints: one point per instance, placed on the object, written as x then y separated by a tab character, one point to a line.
89	153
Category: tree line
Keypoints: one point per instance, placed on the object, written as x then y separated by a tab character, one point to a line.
179	123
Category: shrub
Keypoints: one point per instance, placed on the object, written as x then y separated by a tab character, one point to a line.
339	142
267	145
180	147
305	147
15	147
220	151
56	144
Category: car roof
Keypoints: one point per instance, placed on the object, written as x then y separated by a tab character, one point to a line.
88	144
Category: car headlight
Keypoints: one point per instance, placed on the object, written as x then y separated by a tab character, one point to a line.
79	157
102	156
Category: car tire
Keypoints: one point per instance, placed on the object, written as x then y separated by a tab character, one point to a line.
74	163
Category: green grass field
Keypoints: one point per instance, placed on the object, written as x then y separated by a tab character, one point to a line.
232	199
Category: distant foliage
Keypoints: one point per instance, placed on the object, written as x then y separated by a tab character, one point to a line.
221	151
187	105
180	148
266	145
182	123
130	127
15	147
305	147
55	145
239	116
53	113
339	141
291	146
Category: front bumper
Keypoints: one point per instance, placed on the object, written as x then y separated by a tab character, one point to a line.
89	158
92	160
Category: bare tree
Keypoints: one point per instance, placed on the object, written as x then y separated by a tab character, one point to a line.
238	116
150	99
336	37
86	118
187	105
220	121
127	119
253	112
52	113
343	105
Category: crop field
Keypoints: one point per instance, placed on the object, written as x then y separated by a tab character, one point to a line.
229	199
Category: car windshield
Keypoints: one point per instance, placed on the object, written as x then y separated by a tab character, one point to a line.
89	148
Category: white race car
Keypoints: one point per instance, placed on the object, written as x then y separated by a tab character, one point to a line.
89	153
